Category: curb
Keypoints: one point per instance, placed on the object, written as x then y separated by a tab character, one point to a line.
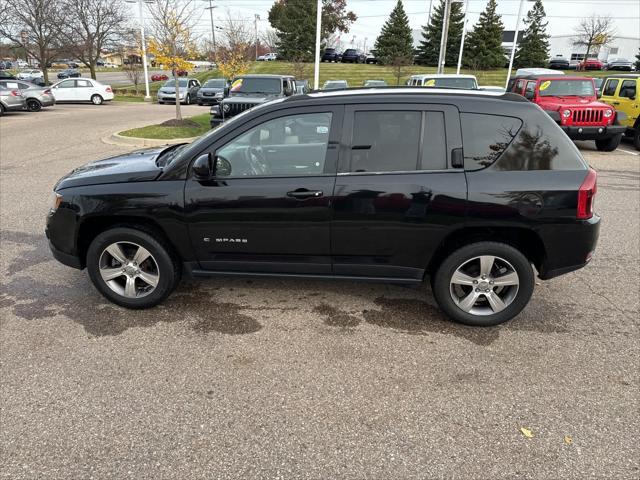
117	139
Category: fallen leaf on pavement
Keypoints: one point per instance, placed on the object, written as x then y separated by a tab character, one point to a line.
526	432
568	440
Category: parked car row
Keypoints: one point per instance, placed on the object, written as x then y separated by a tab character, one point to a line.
561	63
351	55
17	94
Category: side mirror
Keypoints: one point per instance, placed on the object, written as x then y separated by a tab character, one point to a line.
203	167
288	92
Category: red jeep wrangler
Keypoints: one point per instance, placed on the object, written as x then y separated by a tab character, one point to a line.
573	104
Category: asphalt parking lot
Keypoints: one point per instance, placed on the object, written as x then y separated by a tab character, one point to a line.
303	379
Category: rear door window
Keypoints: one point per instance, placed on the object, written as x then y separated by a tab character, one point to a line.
628	89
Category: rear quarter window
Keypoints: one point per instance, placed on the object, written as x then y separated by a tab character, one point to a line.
511	144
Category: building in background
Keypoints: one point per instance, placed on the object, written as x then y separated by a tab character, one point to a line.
620	47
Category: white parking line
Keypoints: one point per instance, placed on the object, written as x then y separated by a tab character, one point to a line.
628	151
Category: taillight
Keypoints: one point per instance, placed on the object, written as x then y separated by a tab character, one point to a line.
108	89
586	195
47	92
16	93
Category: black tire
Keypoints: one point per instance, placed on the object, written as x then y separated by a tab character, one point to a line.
636	137
168	266
609	144
34	105
2	111
160	103
97	99
441	285
187	100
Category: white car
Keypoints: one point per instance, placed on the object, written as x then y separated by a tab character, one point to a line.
30	75
269	57
446	80
82	90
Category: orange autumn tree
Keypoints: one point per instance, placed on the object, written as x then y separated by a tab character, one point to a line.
172	39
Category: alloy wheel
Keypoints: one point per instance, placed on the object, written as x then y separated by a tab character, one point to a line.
129	269
484	285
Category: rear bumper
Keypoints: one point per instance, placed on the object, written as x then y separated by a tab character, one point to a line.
593	133
563	257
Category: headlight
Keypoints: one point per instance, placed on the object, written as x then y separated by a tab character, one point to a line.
608	113
219	95
566	113
56	200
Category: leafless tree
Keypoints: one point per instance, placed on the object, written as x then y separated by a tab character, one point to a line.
239	36
270	39
92	25
32	25
594	32
134	73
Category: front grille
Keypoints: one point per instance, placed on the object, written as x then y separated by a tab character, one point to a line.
587	116
236	108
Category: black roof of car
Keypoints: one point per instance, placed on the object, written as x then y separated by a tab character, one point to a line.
259	75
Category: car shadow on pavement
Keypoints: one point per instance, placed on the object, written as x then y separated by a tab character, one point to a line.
197	303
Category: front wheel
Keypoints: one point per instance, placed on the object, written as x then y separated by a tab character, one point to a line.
187	100
484	284
96	99
609	144
34	105
132	268
636	137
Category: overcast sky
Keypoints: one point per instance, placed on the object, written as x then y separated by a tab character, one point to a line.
562	14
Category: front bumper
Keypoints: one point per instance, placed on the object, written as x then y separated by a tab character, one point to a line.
168	98
208	100
593	133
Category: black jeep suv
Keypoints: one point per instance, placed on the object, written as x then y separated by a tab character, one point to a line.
469	189
248	91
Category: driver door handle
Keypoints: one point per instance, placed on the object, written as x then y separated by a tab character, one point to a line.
304	193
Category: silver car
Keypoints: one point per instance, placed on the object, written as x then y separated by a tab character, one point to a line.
187	91
10	99
35	96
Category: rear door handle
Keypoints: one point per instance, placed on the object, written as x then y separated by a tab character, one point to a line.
616	103
304	193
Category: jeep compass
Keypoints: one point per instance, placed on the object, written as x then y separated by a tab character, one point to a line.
472	192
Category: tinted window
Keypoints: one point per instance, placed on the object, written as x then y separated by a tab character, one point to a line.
256	85
529	91
434	145
385	141
485	137
292	145
466	83
610	87
628	89
172	83
67	84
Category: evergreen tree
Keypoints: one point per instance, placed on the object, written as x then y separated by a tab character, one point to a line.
533	50
483	47
429	48
394	46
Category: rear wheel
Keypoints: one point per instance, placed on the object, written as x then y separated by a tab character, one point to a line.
34	105
96	99
132	268
483	284
1	110
609	144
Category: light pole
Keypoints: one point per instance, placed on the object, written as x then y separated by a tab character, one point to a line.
256	17
213	31
515	42
147	96
316	67
464	32
445	34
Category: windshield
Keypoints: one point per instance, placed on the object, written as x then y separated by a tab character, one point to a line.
561	88
466	83
256	85
349	51
215	83
375	83
333	85
172	83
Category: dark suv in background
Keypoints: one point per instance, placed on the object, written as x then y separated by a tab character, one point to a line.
247	91
470	191
331	55
351	55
